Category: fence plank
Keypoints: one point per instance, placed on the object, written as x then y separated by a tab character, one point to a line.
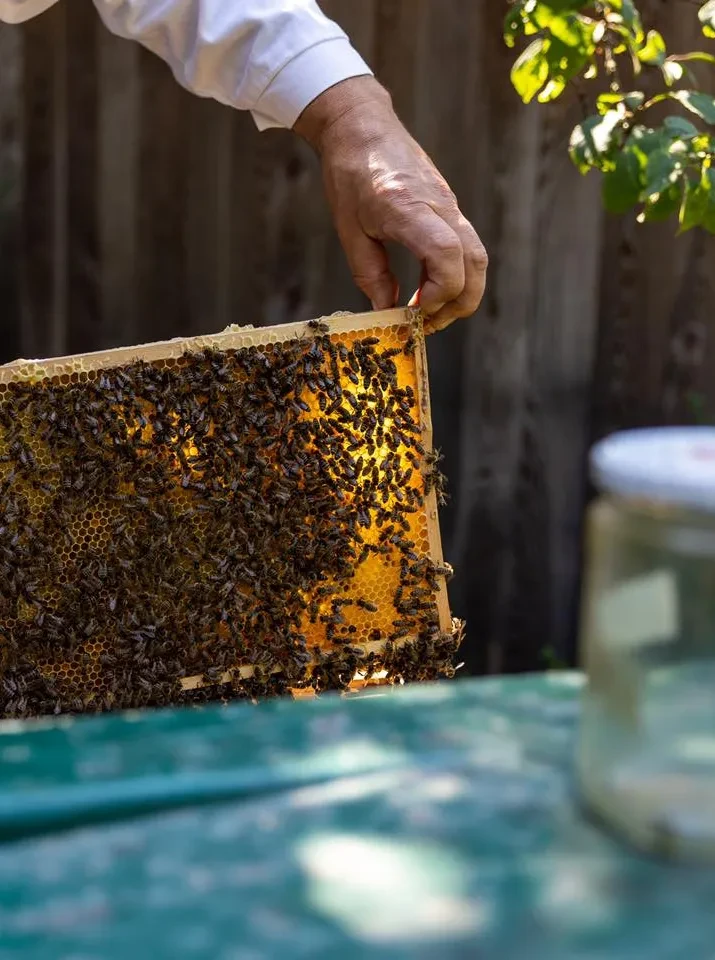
207	229
118	160
561	330
82	284
44	221
495	358
162	294
10	176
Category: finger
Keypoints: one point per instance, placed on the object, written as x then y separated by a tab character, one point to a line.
370	268
440	321
417	295
476	263
438	247
475	270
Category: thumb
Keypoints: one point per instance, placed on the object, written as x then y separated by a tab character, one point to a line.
370	268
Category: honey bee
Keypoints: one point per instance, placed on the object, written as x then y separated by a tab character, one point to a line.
318	326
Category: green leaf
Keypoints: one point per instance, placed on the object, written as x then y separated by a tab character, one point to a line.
644	142
707	18
703	143
653	51
661	171
672	72
560	17
564	63
559	7
566	27
631	17
701	104
680	127
664	206
709	218
531	70
623	185
694	208
625	12
593	141
546	66
698	55
553	90
514	26
572	31
610	101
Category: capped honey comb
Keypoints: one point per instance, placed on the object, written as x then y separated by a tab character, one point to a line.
244	514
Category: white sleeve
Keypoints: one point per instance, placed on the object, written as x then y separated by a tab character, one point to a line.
272	57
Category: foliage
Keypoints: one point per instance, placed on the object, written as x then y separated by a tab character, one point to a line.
661	169
698	405
552	662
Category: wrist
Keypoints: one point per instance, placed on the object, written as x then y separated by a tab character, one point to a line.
356	102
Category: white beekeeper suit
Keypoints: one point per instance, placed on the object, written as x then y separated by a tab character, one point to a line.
272	57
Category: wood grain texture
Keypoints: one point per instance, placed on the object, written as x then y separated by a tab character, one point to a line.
162	189
146	213
118	109
82	284
207	227
44	209
10	188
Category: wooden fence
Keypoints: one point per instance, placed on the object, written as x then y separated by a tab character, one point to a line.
131	211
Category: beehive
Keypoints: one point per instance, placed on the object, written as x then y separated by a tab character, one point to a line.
236	515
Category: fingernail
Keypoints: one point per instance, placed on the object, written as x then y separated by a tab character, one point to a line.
374	305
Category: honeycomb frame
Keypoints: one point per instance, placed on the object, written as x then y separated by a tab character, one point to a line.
381	660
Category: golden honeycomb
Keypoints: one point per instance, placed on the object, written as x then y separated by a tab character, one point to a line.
244	514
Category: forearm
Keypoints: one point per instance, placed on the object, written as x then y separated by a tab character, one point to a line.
345	100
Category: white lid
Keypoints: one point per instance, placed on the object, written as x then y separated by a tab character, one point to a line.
674	465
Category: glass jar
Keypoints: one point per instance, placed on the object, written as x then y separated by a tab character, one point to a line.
646	755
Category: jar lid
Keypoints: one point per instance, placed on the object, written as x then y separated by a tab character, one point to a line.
673	465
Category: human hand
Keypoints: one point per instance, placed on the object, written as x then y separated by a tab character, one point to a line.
382	186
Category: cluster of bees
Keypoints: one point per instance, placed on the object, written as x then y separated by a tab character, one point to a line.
229	523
